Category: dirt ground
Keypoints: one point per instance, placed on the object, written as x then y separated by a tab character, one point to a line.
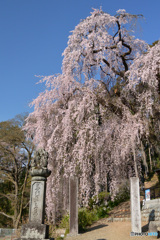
111	231
103	230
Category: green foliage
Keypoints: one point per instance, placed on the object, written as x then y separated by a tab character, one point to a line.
92	202
15	157
112	204
154	43
149	177
51	229
86	218
64	223
123	193
99	207
103	197
5	204
100	200
102	212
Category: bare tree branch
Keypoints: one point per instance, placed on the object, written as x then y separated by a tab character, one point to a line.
6	215
121	73
6	196
26	205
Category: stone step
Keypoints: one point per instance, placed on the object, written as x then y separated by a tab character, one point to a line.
144	219
124	211
124	217
145	215
114	219
152	204
151	212
121	213
151	219
153	226
121	216
156	214
157	208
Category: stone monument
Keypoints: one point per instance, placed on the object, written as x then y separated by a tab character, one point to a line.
73	206
36	229
135	205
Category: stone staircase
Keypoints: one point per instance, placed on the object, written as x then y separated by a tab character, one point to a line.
151	210
151	214
120	213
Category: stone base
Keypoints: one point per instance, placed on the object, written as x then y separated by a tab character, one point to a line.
35	231
153	225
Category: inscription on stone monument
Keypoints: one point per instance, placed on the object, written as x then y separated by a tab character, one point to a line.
36	198
37	202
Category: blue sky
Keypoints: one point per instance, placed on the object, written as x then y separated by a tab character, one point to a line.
34	33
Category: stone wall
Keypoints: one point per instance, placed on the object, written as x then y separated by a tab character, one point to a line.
7	232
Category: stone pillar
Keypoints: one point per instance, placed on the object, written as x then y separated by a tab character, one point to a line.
135	205
37	200
73	206
36	229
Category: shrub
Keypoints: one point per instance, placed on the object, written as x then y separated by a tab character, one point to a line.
86	218
124	192
98	208
103	197
102	212
64	223
100	200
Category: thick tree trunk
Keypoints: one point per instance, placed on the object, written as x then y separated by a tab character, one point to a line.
144	159
150	159
134	157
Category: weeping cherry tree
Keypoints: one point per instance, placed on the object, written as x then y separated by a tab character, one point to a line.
92	117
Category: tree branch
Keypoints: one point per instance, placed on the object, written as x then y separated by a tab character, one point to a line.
5	170
121	73
6	215
9	178
105	86
26	205
6	196
125	45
